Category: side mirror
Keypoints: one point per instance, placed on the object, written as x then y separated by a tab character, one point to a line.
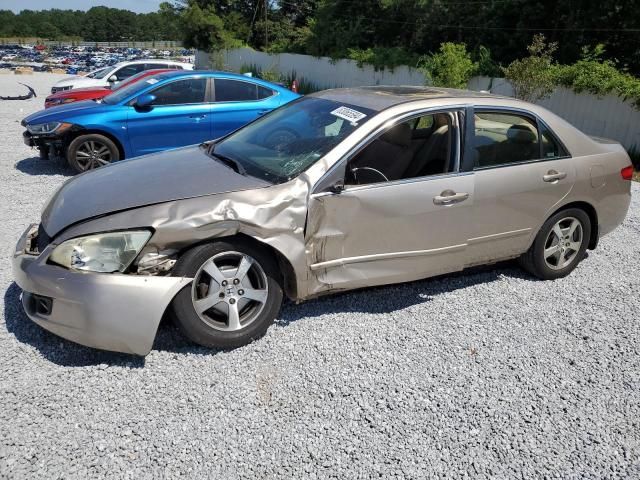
145	100
112	79
337	187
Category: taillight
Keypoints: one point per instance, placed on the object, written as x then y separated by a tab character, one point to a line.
627	172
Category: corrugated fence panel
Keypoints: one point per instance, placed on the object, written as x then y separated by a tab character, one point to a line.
608	116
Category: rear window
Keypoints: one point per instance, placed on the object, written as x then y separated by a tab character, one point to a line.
238	91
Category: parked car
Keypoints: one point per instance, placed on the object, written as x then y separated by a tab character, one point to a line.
107	76
338	190
94	93
163	111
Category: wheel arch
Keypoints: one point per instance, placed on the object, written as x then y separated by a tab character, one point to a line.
590	210
88	131
288	276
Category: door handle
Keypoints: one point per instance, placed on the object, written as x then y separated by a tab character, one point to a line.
449	197
197	117
262	112
553	176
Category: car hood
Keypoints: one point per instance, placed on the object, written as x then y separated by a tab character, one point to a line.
78	81
62	112
161	177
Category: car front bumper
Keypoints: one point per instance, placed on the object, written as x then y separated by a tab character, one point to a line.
31	140
115	312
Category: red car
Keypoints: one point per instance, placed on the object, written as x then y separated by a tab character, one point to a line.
94	93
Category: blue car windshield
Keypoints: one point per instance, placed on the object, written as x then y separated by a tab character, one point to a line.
283	144
131	89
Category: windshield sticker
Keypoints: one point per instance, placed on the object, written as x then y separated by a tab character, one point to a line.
151	81
349	114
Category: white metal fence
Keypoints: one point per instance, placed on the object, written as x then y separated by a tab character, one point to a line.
608	116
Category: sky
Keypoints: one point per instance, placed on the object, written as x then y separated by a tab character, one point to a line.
140	6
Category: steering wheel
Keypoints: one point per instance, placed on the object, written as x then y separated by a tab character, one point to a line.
365	175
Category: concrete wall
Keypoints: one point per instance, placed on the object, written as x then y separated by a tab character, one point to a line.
322	71
608	116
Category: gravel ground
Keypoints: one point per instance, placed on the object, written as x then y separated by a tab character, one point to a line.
486	374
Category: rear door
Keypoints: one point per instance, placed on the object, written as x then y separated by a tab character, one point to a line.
180	115
522	172
238	102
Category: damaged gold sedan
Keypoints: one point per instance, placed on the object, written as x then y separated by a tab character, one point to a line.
343	189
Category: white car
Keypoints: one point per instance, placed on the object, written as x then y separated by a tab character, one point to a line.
113	74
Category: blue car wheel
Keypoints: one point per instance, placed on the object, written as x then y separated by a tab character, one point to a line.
91	151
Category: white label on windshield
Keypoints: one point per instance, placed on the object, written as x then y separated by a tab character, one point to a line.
349	114
151	81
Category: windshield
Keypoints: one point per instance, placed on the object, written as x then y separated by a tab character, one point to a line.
124	92
285	143
99	73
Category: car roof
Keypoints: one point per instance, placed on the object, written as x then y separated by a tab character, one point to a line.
380	97
147	60
219	74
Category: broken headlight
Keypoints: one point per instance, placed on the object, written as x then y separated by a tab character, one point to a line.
50	127
104	253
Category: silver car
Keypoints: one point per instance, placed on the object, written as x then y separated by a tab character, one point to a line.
339	190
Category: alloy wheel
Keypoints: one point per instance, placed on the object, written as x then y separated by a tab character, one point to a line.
93	154
229	291
563	243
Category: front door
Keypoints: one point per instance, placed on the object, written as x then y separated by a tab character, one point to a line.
394	222
179	116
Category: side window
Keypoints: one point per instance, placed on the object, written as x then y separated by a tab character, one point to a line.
419	147
126	72
550	147
235	90
503	138
264	92
181	92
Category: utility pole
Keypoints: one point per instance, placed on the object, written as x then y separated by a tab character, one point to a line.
266	27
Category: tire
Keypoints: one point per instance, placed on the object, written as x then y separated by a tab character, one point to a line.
549	257
91	151
214	326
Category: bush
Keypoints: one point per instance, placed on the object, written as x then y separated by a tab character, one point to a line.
599	77
381	57
533	77
451	67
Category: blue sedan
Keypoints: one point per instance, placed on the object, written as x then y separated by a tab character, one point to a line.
160	112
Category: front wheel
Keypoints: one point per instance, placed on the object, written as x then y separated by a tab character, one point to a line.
559	246
91	151
234	297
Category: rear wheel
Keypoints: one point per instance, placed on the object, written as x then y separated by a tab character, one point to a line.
234	297
91	151
559	246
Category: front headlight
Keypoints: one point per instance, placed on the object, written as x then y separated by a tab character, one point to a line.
50	127
104	253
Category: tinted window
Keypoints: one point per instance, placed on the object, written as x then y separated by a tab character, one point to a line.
235	90
155	66
180	92
264	92
502	138
550	147
126	72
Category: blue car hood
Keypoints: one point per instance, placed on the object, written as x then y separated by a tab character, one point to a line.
64	112
161	177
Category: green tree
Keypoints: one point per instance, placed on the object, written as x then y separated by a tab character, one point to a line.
533	77
204	29
451	67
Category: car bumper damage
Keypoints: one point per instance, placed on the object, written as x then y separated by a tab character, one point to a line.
114	312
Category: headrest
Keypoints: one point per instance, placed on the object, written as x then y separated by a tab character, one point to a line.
521	134
399	135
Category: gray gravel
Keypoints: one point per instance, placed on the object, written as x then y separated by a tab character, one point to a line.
486	374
